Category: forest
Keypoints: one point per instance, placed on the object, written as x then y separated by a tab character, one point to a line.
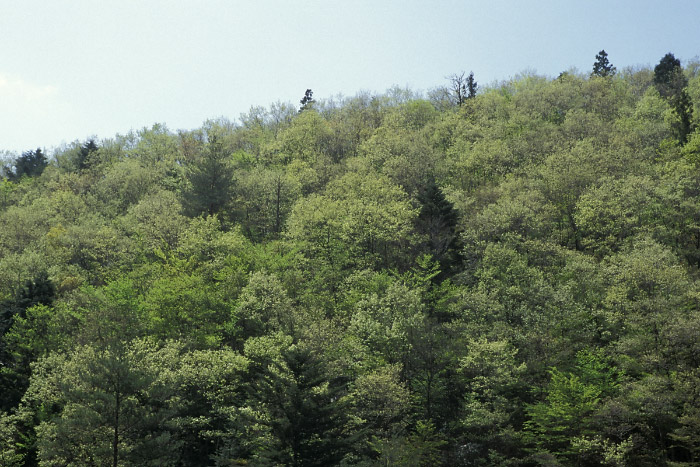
495	275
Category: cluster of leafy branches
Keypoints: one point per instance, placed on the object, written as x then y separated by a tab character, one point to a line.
508	277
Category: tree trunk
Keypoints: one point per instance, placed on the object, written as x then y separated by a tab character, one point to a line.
115	441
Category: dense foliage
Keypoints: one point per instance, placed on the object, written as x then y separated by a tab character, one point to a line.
508	277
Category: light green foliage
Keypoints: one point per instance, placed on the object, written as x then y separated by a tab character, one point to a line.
17	268
571	401
6	189
264	307
691	149
564	178
377	280
386	322
184	307
93	249
266	197
307	139
212	423
157	221
360	284
20	228
616	210
473	163
521	288
400	150
10	454
648	124
693	91
378	403
649	291
110	315
124	184
33	334
491	371
213	253
607	98
520	210
490	377
361	219
116	405
156	147
421	448
149	400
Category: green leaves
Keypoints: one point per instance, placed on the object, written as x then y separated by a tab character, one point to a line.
116	405
571	402
376	280
210	179
361	220
137	404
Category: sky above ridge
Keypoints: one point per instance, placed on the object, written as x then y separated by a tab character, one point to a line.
73	69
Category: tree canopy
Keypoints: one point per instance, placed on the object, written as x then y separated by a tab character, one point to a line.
503	277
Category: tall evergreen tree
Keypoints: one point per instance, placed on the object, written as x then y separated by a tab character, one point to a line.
210	180
437	221
14	376
307	100
668	75
30	163
304	410
85	151
116	405
471	86
671	83
602	66
39	291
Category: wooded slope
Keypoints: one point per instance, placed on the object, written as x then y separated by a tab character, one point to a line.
511	279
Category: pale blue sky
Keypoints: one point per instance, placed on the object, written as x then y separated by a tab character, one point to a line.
72	69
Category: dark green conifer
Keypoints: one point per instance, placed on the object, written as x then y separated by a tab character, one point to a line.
14	374
84	154
210	180
668	76
30	163
39	291
307	100
471	86
437	221
602	66
671	83
306	414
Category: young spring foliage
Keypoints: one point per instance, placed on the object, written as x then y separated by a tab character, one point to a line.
501	277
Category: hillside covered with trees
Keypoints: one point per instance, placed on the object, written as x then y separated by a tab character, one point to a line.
502	275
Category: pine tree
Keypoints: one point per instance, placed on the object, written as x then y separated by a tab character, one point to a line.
85	151
304	410
39	291
116	405
471	86
438	221
668	76
307	100
671	83
14	374
30	163
210	180
602	67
